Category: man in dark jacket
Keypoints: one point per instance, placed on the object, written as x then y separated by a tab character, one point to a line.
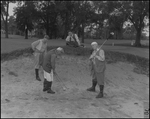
49	68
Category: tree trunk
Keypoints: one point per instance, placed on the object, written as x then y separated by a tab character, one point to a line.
79	31
6	22
51	35
138	38
120	34
6	29
12	32
82	33
107	33
67	24
26	33
66	31
55	34
47	30
116	35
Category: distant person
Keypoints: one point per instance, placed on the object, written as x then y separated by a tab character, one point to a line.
49	68
72	40
98	67
40	48
77	38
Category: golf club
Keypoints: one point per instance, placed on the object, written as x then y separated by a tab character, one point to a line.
58	78
106	39
103	43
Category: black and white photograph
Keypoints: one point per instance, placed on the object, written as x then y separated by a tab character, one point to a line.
74	59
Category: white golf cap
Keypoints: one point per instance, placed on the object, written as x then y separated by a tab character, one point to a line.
60	49
94	43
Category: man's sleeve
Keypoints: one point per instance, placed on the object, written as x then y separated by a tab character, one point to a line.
76	37
67	39
46	48
102	55
53	59
34	44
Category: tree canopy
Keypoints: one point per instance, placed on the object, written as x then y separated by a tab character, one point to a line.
56	18
136	12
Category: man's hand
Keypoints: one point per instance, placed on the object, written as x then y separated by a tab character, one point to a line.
92	56
36	50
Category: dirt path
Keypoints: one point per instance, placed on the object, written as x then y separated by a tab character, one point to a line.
22	96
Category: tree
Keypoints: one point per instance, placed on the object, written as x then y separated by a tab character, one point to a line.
99	17
83	12
61	10
110	15
60	27
136	12
63	16
25	15
47	15
11	24
66	11
75	15
4	15
2	25
102	17
116	21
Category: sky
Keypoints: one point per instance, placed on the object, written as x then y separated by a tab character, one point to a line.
11	6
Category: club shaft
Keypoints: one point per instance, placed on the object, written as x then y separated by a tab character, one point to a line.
61	81
103	43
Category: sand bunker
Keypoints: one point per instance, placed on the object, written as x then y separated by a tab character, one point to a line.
22	95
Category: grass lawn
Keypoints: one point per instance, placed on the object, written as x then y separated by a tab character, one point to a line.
18	42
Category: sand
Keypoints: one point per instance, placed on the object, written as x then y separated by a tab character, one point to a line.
21	94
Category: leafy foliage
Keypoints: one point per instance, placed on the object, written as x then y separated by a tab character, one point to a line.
59	17
12	24
83	15
136	12
5	14
25	15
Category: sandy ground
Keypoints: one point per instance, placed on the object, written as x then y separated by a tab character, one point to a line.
22	96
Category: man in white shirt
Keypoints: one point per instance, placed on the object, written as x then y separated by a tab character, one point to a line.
39	47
